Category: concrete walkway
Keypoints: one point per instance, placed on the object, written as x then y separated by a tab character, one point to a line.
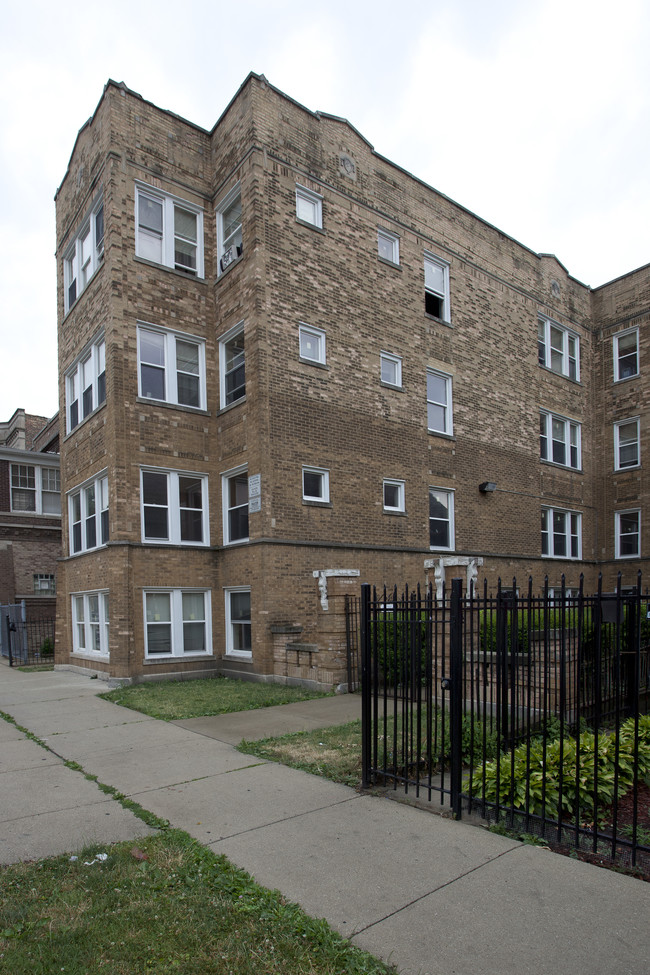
428	894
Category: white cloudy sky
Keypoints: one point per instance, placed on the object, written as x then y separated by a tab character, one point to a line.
536	116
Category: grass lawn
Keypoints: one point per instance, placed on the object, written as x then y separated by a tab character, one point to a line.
178	700
334	753
165	906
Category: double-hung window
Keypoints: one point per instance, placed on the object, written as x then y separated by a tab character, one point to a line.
88	515
174	507
391	369
177	622
393	496
229	236
627	451
559	440
171	367
627	534
169	231
85	384
558	349
561	533
439	404
35	489
232	369
441	519
90	623
238	622
436	287
626	354
235	505
312	344
84	255
309	207
388	246
316	485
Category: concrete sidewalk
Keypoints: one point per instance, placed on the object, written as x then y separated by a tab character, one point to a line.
428	894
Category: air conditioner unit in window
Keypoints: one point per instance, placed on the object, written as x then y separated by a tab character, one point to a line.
230	255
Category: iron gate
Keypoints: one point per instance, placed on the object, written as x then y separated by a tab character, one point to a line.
459	691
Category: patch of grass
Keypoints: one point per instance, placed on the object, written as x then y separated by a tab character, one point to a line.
165	906
35	668
179	700
334	753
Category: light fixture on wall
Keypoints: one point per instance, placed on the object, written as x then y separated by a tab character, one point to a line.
487	487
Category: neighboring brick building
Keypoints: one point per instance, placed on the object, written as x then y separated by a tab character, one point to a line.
30	513
287	366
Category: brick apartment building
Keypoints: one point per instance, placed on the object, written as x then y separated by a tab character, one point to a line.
287	366
30	514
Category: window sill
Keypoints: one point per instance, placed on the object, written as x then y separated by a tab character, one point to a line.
168	658
185	275
85	420
160	542
560	467
312	226
399	389
87	551
231	406
624	470
394	512
385	260
626	379
313	362
89	655
441	321
233	655
150	401
237	541
440	550
221	274
309	503
442	436
560	375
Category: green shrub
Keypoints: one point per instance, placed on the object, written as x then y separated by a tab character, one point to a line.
396	637
526	779
47	648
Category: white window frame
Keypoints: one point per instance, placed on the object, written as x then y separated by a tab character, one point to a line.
94	522
324	476
617	354
231	651
241	474
388	361
568	534
450	521
437	265
618	536
85	630
174	508
400	486
33	478
177	621
571	439
619	445
225	372
168	235
561	360
387	246
447	427
317	334
84	256
309	207
85	384
169	367
229	246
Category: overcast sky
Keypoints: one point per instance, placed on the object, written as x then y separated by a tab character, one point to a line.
536	116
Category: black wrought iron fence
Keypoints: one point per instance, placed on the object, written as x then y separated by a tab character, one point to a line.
529	708
29	642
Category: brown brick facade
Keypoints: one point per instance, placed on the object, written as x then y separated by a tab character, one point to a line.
336	416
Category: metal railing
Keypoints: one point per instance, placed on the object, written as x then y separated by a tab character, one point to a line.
528	708
29	642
